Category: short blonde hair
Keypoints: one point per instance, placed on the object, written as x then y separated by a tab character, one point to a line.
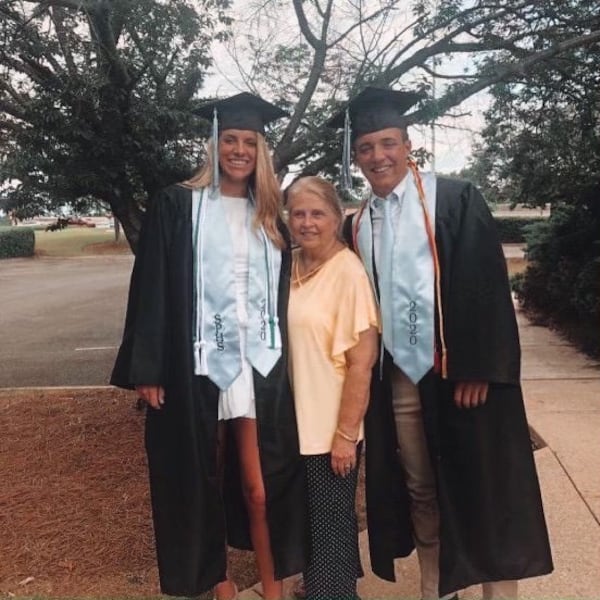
320	188
265	186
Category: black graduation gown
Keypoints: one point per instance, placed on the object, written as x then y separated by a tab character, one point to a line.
193	518
492	522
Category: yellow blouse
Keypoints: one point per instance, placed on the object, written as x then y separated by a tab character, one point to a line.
326	314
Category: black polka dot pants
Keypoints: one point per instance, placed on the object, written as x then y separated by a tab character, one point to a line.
334	563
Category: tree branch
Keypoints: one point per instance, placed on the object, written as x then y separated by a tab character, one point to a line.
463	28
79	5
13	110
358	24
317	165
393	42
309	36
36	72
57	16
102	33
16	96
501	72
437	75
313	79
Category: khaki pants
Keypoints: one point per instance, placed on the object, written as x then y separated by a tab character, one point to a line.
421	487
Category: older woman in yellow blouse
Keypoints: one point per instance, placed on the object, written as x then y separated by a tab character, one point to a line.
333	339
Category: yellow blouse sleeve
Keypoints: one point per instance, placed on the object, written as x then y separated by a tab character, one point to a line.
357	312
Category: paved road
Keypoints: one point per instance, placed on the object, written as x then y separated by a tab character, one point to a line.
61	319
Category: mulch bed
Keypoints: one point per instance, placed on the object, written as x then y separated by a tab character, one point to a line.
74	508
75	512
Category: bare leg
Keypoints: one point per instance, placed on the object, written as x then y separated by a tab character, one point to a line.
224	590
506	590
254	495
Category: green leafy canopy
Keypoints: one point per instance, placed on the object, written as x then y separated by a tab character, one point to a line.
97	99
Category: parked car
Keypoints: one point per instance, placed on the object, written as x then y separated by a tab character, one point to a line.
81	222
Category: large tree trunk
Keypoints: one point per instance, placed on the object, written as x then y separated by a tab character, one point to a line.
128	214
131	227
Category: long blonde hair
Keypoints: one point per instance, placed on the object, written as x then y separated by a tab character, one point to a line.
267	191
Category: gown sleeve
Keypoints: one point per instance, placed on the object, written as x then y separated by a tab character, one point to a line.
481	328
142	355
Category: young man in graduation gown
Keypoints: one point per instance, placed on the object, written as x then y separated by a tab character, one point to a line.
449	464
183	338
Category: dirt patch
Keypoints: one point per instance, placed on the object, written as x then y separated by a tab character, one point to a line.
75	509
99	249
121	247
516	265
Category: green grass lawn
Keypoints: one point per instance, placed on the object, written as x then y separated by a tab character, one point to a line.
75	241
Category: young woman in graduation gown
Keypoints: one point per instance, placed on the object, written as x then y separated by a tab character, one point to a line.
205	346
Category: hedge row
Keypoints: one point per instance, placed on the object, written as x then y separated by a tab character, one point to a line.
16	242
512	230
561	286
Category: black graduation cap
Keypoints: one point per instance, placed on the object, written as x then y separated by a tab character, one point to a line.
242	111
374	109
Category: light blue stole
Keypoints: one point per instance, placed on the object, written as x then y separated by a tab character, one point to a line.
216	339
406	276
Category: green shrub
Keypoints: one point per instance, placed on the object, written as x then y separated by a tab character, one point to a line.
513	230
16	242
561	286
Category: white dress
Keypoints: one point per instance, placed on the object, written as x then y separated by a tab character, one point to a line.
238	399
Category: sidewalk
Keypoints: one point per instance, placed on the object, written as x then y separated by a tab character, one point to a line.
562	398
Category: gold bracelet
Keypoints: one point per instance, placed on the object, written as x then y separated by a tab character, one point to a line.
345	436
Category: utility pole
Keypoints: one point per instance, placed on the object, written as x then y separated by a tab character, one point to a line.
433	129
433	94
